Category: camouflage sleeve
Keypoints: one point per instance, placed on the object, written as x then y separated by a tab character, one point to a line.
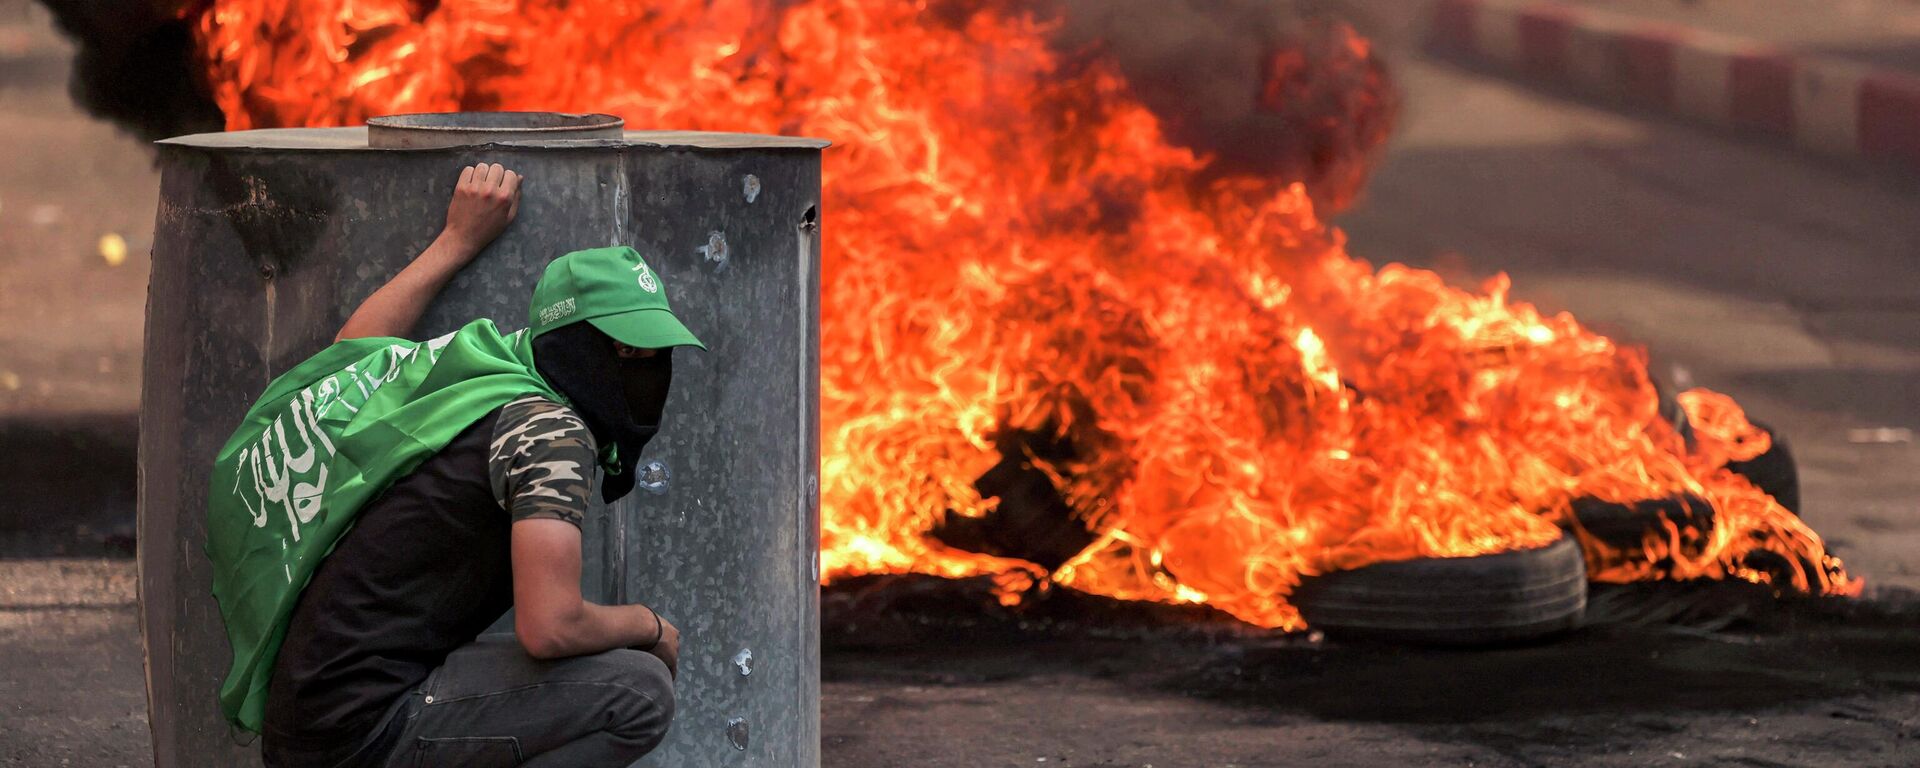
541	461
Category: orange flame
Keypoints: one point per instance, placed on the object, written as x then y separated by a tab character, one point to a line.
1015	245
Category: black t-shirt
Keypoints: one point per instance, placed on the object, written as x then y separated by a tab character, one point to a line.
425	568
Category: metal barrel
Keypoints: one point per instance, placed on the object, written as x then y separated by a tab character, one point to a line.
266	240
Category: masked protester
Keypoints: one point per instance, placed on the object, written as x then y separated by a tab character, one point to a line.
386	500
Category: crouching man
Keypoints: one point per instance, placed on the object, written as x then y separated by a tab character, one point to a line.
386	500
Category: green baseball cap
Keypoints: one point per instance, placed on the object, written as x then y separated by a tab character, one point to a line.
613	289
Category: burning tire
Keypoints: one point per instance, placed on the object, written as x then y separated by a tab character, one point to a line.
1492	599
1624	526
1773	471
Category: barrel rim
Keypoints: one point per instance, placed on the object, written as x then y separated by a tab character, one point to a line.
439	130
354	138
512	121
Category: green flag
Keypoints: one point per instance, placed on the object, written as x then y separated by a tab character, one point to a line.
325	438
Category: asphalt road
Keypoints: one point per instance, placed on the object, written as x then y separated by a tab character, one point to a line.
1785	280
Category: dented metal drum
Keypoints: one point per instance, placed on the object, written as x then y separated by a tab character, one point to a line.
266	240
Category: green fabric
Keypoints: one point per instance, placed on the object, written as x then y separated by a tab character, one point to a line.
325	438
615	290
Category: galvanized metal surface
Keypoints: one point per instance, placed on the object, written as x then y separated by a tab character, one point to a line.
266	240
437	130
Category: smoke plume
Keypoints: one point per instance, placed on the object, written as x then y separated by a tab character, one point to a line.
1264	87
134	67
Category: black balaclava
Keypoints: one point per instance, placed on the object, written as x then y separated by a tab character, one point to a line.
620	399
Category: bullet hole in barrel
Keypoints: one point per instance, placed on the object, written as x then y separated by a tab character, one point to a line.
737	733
654	477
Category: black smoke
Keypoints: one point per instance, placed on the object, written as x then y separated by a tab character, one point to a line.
1206	68
134	66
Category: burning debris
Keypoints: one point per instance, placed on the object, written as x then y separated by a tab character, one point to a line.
1063	275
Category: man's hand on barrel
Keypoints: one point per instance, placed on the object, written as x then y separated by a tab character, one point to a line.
484	203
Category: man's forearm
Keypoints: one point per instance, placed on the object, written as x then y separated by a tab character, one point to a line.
598	628
485	200
396	307
626	626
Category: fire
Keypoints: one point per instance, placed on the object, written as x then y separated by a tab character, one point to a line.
1016	246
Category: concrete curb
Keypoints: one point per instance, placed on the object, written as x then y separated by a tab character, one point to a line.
1825	105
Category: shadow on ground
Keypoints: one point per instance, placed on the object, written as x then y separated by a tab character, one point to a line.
70	485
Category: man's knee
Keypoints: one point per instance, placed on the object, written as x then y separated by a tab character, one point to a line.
646	707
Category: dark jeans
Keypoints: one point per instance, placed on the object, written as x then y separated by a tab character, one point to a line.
492	705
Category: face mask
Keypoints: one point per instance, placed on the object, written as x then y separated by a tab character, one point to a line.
621	400
644	383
